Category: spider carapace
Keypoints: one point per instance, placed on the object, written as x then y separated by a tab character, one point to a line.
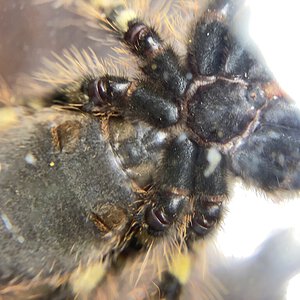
116	169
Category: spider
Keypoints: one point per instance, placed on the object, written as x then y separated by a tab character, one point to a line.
167	142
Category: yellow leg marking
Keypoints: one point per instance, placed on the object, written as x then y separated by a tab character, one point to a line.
7	117
84	280
124	16
106	4
181	267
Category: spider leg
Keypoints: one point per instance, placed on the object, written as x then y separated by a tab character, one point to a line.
176	277
208	42
138	100
158	61
174	187
214	50
210	191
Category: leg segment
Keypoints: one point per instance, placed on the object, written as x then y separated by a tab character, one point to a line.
175	185
161	62
117	94
206	51
210	191
177	276
214	50
170	287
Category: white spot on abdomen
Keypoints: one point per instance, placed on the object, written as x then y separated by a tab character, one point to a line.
30	158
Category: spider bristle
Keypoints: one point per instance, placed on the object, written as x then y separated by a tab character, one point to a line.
31	289
64	70
175	22
9	100
202	284
132	281
124	60
7	97
73	66
55	3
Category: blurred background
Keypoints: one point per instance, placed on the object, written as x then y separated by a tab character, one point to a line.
256	254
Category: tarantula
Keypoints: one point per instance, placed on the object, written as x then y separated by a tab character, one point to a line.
128	166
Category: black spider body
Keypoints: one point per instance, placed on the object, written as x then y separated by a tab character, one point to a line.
155	163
